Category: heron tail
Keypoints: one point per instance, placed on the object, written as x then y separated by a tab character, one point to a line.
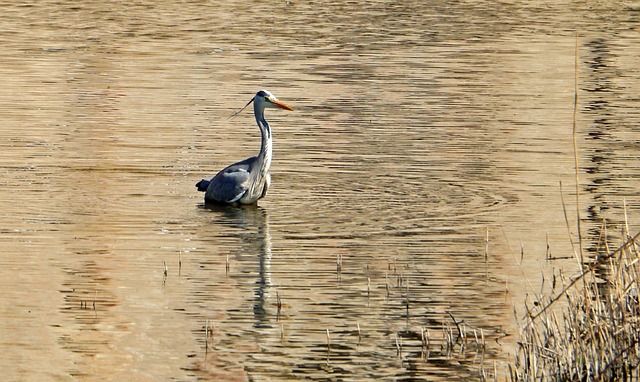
203	184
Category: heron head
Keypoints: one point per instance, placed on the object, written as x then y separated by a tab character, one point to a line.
266	99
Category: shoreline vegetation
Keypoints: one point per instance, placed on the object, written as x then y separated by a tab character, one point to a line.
595	336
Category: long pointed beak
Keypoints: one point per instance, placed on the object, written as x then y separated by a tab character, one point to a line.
281	104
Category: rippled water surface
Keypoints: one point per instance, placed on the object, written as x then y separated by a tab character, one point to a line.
420	128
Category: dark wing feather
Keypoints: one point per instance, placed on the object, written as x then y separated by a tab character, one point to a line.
203	185
230	184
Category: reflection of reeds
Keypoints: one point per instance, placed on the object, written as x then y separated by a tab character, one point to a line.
597	336
208	335
328	346
165	273
278	306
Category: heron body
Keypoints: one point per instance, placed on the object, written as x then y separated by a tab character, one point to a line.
247	181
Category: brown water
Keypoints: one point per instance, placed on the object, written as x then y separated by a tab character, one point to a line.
418	127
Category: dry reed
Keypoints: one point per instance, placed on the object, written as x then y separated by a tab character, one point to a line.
596	335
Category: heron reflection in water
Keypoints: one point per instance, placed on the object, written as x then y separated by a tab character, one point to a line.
255	241
246	181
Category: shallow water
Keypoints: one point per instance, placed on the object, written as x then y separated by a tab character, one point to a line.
419	129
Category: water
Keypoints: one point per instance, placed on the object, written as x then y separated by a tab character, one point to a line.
419	128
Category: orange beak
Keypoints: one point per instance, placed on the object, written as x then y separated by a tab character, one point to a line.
281	104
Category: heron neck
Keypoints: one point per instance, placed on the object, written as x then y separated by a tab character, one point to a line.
264	157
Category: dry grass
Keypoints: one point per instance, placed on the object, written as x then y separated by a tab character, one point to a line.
595	335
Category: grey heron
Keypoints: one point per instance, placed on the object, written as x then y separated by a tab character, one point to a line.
246	181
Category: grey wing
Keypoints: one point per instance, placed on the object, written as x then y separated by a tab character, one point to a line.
230	184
